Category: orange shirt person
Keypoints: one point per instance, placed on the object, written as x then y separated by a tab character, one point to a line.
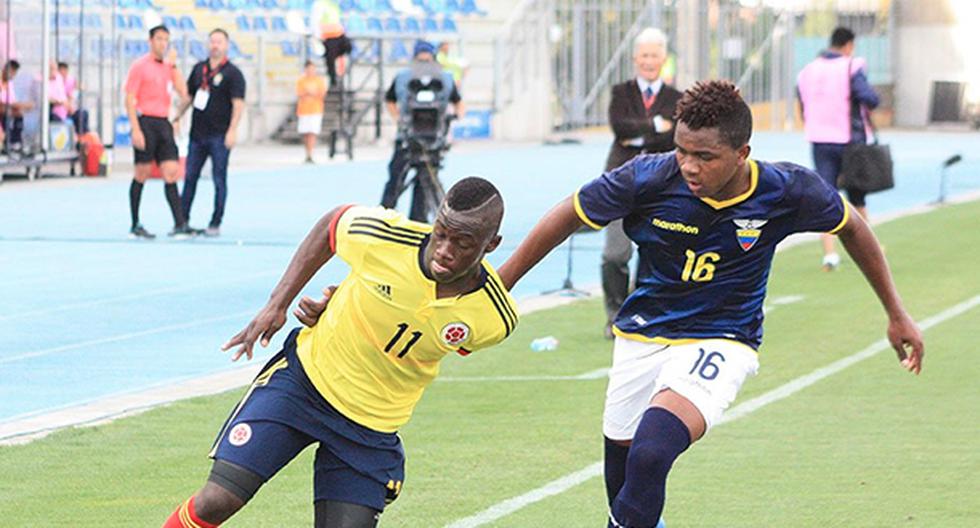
148	99
310	89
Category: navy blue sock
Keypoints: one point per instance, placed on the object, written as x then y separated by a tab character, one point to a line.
659	440
615	470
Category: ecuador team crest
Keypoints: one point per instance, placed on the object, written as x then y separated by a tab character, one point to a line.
748	232
454	334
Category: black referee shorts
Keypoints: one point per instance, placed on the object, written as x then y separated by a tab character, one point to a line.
160	144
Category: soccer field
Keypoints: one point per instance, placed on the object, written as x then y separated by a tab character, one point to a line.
867	446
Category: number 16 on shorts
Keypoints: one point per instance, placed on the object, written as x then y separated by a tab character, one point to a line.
710	373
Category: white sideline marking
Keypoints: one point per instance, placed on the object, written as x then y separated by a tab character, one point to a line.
120	337
509	506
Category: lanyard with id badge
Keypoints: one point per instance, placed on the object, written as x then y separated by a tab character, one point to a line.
203	95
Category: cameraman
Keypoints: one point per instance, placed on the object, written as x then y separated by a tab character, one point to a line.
397	98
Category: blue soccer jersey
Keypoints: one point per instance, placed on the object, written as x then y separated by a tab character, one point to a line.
704	263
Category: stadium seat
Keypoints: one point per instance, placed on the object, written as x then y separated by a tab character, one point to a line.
279	24
449	26
355	24
374	25
135	22
170	21
198	50
242	23
289	48
186	23
430	25
393	25
259	23
398	53
384	6
412	25
469	7
425	6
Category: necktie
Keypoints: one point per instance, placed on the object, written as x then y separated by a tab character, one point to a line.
648	98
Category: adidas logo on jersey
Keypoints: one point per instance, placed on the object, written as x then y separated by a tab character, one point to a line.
384	290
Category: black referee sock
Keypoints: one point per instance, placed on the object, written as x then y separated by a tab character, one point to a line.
135	193
173	198
615	468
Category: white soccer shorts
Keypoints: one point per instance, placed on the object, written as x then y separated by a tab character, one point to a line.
709	373
309	124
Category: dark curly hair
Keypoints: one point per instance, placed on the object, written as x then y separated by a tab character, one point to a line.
470	193
716	104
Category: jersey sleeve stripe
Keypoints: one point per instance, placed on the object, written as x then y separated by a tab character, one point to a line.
384	224
843	221
358	222
381	231
389	238
581	213
503	316
332	228
499	290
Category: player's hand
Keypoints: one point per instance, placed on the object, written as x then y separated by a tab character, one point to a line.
139	141
263	327
230	137
906	339
308	312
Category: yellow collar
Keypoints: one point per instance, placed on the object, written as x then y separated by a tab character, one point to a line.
753	183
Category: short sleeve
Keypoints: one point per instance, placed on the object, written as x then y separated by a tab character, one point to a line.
237	87
133	79
193	81
359	229
821	208
608	197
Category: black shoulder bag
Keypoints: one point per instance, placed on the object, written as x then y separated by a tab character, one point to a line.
865	167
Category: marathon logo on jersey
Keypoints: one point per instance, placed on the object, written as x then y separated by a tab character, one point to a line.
748	232
455	334
384	290
676	226
240	435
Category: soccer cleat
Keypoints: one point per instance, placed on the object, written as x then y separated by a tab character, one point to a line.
831	262
138	231
212	231
182	232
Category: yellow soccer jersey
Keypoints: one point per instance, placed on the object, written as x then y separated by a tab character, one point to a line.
379	343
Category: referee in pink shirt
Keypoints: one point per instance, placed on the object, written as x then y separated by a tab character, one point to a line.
148	101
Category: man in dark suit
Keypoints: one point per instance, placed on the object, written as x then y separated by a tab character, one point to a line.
641	114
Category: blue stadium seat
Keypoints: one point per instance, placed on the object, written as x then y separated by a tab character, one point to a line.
289	48
430	26
199	50
355	24
384	6
374	25
398	53
170	21
425	6
412	25
136	22
279	24
242	23
393	25
186	23
469	7
449	26
259	23
93	21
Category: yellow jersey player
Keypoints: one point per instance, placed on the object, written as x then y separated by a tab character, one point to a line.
415	293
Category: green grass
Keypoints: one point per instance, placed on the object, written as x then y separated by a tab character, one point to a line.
870	446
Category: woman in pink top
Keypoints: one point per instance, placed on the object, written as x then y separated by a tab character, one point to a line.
57	97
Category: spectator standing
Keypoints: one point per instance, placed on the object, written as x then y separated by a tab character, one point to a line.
453	63
641	113
835	98
216	89
335	42
148	99
311	89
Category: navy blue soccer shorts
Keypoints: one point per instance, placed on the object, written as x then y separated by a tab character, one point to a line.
282	413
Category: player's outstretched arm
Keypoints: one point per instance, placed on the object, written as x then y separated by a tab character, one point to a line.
903	333
557	225
312	254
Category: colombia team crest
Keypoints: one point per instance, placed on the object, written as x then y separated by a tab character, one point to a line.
748	232
454	334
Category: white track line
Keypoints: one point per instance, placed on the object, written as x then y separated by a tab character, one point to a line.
120	337
134	296
555	487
